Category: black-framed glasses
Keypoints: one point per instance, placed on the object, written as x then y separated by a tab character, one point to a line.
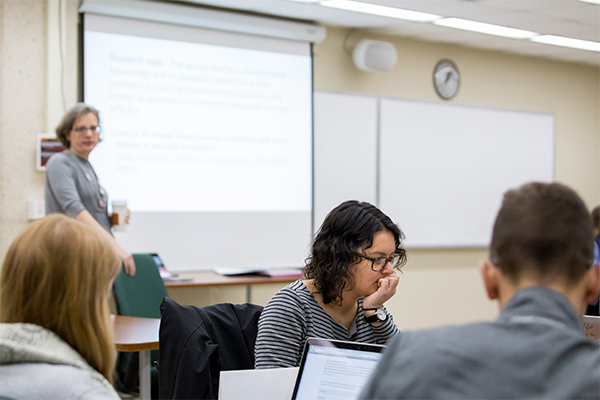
82	130
379	263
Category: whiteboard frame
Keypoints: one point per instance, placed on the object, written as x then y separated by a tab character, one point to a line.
455	203
329	196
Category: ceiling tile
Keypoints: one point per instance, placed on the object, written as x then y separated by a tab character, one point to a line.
531	5
567	18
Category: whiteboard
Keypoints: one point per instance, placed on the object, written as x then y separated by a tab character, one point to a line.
444	168
345	151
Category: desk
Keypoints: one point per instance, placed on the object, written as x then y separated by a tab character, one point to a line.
137	334
210	278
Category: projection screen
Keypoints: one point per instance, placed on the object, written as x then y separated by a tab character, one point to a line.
207	135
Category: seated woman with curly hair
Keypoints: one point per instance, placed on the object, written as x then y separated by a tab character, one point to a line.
349	275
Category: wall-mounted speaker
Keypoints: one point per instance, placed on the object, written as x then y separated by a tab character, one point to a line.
374	55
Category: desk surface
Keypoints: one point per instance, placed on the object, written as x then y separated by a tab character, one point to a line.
210	278
134	333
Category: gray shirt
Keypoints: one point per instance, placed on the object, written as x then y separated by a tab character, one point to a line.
72	186
535	349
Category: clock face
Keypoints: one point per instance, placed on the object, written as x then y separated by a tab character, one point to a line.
446	79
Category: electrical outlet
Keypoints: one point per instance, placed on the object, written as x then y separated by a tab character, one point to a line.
36	209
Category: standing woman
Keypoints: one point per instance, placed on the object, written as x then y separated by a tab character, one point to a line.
56	339
349	276
72	187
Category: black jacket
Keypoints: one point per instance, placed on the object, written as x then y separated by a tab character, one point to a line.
196	344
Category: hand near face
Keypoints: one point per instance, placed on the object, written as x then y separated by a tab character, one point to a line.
127	216
385	290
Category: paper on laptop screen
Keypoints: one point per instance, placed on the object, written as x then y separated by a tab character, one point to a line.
591	327
332	373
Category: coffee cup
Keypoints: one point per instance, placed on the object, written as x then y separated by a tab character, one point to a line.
119	211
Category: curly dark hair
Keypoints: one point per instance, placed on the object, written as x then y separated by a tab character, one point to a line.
348	228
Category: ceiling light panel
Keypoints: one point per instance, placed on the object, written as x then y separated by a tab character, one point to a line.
446	35
383	11
235	4
488	29
567	42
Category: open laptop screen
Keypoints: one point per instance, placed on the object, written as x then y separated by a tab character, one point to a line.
335	370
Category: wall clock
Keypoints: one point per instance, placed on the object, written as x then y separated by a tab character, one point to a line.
446	79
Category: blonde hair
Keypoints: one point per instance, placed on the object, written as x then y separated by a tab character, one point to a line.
57	274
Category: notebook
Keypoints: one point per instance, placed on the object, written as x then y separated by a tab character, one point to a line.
332	369
257	384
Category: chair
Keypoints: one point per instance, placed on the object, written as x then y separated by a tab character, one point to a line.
138	296
196	344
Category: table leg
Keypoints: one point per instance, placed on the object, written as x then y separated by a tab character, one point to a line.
248	293
145	376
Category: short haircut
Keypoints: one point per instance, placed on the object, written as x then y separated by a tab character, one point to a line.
347	229
66	124
596	220
56	274
544	231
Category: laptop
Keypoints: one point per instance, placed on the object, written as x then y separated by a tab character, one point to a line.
164	274
332	369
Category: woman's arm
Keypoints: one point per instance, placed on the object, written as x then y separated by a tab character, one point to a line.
385	330
128	263
387	289
61	191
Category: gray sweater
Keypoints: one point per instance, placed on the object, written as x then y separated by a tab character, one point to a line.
72	186
534	350
37	364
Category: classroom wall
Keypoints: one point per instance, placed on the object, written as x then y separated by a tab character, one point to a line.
439	285
442	285
31	99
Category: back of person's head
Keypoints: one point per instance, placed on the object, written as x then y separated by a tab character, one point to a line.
347	229
56	274
543	232
68	120
596	220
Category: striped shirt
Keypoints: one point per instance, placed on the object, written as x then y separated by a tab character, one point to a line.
293	315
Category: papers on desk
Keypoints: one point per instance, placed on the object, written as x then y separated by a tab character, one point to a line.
169	277
258	384
272	272
175	278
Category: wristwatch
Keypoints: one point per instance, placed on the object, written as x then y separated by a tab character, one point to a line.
379	315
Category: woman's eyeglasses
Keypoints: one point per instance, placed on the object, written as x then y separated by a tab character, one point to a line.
82	130
379	263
